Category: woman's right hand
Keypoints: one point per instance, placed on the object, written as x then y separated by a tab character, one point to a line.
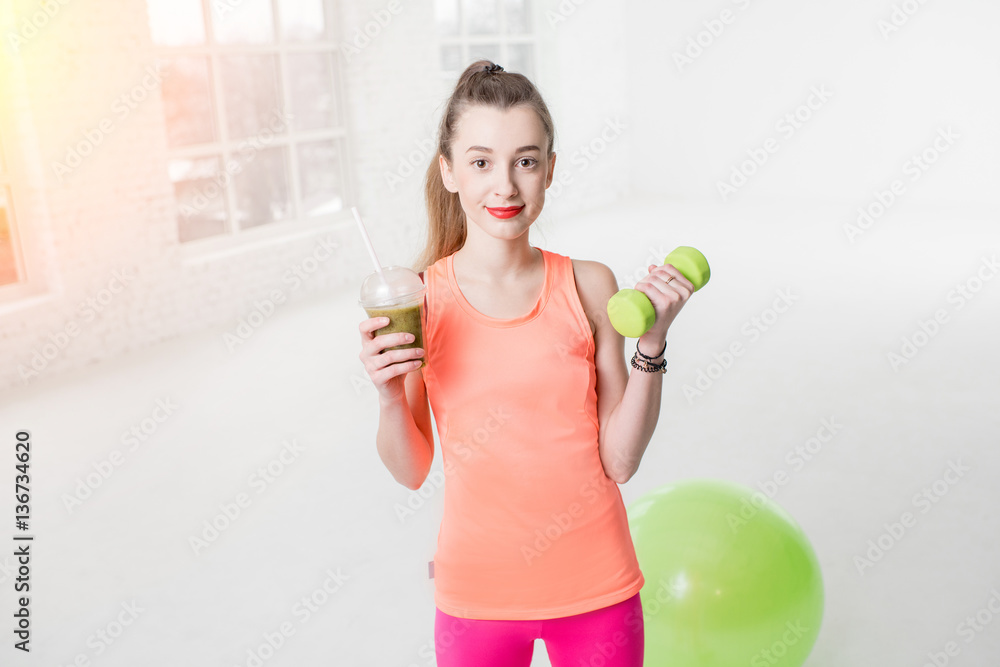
387	368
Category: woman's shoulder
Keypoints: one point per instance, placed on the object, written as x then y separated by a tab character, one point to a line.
594	276
596	284
433	266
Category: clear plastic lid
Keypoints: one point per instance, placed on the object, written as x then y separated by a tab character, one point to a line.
395	286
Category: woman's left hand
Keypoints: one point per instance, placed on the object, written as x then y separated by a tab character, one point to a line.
667	298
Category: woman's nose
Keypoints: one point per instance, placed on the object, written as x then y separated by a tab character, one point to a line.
505	184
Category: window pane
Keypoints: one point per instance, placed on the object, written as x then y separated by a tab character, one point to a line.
451	58
310	77
446	16
518	21
201	199
8	256
250	87
521	59
320	178
481	17
242	21
302	20
176	22
187	101
487	51
262	189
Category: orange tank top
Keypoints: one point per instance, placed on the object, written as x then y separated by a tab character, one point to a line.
532	528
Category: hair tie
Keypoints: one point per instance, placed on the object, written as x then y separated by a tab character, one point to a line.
493	68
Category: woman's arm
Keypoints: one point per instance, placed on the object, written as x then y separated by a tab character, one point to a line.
632	421
404	440
628	404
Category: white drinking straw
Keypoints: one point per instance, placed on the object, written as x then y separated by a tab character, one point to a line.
368	241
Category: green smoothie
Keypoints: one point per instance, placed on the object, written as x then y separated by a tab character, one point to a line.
402	318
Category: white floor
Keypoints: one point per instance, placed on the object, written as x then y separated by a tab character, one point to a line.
333	509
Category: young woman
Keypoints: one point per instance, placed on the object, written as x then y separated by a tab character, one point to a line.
538	416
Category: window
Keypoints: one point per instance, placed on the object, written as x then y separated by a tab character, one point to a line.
498	30
252	104
11	262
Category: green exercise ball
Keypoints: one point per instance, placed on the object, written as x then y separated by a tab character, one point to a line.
731	578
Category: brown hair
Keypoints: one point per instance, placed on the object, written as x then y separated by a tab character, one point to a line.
476	86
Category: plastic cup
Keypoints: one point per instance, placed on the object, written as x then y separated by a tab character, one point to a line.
396	293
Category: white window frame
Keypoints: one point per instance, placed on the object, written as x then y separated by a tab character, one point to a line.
225	148
7	204
467	42
23	182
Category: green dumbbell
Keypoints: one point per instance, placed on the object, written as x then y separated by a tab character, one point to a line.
631	312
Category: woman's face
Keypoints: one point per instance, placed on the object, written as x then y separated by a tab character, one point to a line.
499	162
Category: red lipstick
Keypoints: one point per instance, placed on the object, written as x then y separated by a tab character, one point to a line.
505	212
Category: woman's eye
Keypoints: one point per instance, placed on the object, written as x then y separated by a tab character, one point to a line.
476	162
530	160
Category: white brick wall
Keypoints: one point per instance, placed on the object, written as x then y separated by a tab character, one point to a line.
116	211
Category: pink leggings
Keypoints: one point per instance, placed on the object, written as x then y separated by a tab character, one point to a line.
608	637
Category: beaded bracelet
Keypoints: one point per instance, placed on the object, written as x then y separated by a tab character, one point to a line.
646	364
